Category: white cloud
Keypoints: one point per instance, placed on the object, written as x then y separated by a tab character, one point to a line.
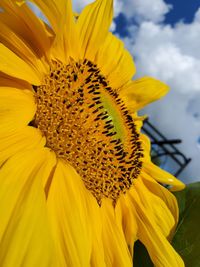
197	16
162	54
140	10
172	54
172	117
193	108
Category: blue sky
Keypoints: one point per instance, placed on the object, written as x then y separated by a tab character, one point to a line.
182	10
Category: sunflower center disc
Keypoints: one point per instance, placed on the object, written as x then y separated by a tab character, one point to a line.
87	125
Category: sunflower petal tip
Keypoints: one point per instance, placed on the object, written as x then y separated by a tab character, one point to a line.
20	2
161	86
178	186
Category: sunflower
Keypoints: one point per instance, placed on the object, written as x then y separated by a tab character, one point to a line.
77	185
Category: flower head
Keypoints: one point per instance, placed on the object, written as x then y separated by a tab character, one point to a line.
77	185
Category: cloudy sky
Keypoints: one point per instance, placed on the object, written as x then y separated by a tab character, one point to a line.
163	37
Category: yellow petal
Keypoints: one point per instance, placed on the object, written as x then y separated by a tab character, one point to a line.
154	171
128	221
66	44
69	218
115	62
141	92
164	194
162	176
138	121
146	144
54	10
17	108
116	249
20	2
97	253
156	207
23	139
14	66
25	236
24	23
6	81
161	252
93	25
15	43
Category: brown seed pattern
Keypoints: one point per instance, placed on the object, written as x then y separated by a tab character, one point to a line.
81	130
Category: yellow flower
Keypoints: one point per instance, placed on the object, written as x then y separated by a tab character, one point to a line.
77	185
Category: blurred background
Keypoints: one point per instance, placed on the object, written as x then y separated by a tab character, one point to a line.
164	38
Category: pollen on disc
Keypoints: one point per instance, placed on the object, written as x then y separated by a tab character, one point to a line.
87	125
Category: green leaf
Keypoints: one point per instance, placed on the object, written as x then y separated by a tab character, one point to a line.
187	236
141	257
